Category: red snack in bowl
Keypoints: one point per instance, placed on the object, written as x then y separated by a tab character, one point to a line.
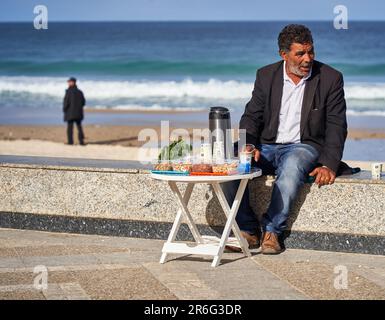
202	167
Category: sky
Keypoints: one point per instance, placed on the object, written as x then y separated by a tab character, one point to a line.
190	10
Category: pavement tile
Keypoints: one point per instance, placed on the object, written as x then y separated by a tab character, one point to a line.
73	291
320	281
31	251
86	249
127	283
100	267
7	252
11	262
64	260
17	278
334	258
200	281
22	295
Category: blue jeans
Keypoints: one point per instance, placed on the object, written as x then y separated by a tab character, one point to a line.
291	163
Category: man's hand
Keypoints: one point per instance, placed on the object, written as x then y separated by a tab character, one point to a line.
324	176
257	155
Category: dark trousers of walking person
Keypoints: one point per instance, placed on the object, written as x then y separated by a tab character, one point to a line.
70	129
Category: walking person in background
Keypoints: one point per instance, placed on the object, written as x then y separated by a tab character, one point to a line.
73	104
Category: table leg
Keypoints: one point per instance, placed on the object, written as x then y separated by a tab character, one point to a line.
190	222
226	209
230	222
178	220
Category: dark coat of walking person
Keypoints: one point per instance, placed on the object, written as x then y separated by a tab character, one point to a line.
73	105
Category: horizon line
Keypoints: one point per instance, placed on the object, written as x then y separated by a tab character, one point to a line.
262	20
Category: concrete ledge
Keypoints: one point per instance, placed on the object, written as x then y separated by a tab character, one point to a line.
122	193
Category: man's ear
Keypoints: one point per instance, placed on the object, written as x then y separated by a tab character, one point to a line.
283	54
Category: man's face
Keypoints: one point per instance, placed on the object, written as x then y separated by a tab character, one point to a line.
299	59
71	83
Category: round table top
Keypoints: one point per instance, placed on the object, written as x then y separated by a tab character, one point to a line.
256	172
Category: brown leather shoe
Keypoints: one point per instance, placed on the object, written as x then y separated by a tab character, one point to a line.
252	239
270	244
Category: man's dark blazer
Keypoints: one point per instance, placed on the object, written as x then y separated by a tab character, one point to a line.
323	115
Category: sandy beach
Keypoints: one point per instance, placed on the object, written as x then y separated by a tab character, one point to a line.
123	135
113	134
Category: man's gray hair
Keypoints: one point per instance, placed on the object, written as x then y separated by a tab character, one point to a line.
293	33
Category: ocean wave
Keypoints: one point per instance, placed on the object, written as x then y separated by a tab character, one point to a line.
95	89
377	113
210	89
365	91
25	91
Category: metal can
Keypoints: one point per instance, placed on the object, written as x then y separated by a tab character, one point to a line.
245	161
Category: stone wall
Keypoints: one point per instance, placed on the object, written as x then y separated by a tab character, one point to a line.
353	205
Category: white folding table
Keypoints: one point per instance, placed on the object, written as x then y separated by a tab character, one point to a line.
206	245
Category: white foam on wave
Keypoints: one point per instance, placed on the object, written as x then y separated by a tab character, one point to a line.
365	113
212	88
95	89
363	98
365	91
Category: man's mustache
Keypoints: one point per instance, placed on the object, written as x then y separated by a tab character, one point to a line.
306	65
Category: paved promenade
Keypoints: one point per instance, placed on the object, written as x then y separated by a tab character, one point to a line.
98	267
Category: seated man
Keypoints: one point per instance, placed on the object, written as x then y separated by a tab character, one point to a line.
297	120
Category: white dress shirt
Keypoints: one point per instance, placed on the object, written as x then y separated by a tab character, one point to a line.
291	105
